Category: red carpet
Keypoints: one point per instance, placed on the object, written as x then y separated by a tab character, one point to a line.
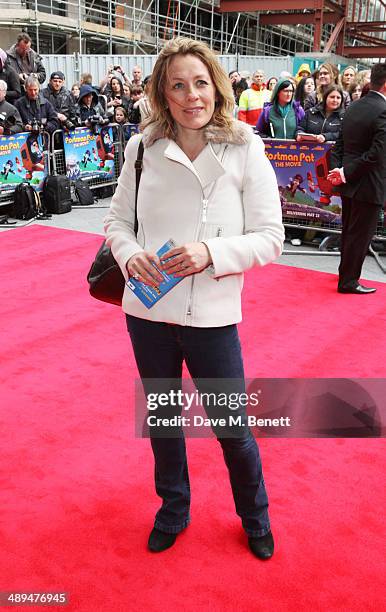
77	498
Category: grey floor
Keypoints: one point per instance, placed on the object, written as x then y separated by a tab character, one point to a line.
90	219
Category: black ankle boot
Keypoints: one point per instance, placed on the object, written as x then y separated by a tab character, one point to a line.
159	540
262	547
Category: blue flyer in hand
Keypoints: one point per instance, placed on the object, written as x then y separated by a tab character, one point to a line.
151	295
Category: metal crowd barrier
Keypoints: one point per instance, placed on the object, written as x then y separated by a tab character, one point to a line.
58	159
15	159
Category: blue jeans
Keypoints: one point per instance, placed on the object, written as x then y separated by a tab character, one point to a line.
215	352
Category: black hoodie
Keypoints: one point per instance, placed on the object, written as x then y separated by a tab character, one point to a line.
83	112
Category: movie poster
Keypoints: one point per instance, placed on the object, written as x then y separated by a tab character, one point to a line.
23	158
89	154
301	170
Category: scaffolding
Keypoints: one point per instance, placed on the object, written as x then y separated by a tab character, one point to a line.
142	27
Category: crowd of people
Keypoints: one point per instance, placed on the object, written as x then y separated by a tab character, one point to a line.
27	106
307	103
282	106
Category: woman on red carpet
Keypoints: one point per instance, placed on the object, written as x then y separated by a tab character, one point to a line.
206	183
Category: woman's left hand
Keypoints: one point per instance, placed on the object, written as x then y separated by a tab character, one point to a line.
187	259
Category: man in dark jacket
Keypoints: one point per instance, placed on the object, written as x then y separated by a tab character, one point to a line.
89	111
8	75
10	120
358	160
60	98
25	61
36	110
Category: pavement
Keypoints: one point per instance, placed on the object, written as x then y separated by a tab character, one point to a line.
90	219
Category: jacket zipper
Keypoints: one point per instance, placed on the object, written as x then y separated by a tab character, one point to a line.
203	216
219	234
143	234
203	219
204	210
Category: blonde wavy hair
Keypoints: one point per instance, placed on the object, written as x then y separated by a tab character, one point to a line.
160	116
345	87
334	79
363	77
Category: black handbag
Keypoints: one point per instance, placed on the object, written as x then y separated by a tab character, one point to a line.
105	278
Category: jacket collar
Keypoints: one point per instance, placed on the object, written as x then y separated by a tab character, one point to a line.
207	166
240	134
40	100
377	94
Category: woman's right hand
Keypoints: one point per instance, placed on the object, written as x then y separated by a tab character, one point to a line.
140	267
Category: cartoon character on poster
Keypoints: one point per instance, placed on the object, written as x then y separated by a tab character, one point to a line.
85	159
22	159
295	184
89	154
7	168
72	168
32	156
105	146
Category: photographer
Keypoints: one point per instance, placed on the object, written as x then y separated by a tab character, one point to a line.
25	61
61	99
113	72
37	113
10	120
116	97
88	111
8	75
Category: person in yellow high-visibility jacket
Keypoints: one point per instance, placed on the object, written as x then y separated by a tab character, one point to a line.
252	100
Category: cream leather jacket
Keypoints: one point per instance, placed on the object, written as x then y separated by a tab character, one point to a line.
227	197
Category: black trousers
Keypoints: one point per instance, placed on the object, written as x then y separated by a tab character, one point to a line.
359	222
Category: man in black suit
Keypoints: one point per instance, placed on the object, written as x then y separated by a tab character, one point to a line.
358	160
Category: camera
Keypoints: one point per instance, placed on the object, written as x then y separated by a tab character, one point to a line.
6	122
68	125
37	126
96	120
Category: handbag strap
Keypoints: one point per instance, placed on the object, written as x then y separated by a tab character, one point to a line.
138	172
